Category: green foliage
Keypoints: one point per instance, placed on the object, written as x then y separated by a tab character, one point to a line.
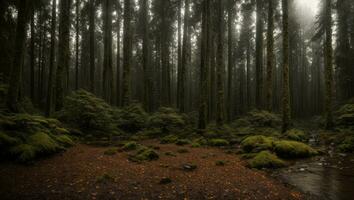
24	152
168	120
266	159
28	107
130	146
293	149
111	151
169	139
43	143
218	142
347	145
295	134
87	112
196	145
257	143
132	118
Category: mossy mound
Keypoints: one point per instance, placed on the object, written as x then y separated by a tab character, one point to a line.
111	151
131	119
218	142
224	131
347	146
295	134
257	143
130	146
25	137
90	114
293	149
266	159
169	139
167	120
261	118
144	154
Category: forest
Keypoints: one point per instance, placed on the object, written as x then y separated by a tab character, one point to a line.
177	99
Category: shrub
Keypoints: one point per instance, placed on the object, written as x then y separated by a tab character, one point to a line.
168	120
292	149
132	118
169	139
183	142
130	146
259	118
265	159
295	134
145	154
347	146
43	143
345	115
111	151
24	152
6	140
64	140
257	143
218	142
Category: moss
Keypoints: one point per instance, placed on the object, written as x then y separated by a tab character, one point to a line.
130	146
183	151
65	140
169	139
168	120
347	146
257	143
43	143
24	152
218	142
6	140
145	154
295	134
195	145
261	118
111	151
292	149
183	142
265	159
345	115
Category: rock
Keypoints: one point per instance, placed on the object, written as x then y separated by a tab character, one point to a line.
165	180
189	167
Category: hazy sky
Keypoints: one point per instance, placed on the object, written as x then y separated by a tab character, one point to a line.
311	5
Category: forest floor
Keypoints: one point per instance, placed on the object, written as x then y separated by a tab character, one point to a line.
85	172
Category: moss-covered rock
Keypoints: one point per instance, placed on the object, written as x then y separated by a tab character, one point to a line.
295	134
43	143
347	146
144	154
168	120
111	151
262	118
130	146
293	149
257	143
218	142
266	159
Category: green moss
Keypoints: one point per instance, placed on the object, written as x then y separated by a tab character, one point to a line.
292	149
261	118
295	134
169	139
347	146
130	146
6	140
195	145
145	154
257	143
65	140
111	151
24	152
43	143
265	159
218	142
183	142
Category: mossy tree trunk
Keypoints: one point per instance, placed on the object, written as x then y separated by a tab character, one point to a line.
52	70
18	59
63	53
220	106
286	116
270	56
127	53
328	65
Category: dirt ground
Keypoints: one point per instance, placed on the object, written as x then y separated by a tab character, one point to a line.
75	174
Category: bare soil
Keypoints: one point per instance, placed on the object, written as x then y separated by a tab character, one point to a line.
77	174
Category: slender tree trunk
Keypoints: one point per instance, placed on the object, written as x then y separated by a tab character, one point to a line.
179	54
127	51
185	46
286	116
230	63
259	54
146	60
77	44
64	52
92	45
118	92
328	67
270	55
220	106
49	108
18	58
32	51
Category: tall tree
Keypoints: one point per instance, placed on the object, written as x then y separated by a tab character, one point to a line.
220	109
127	53
259	54
179	54
77	29
204	65
18	57
118	75
49	108
146	54
107	59
328	64
63	52
230	21
32	55
270	56
92	44
286	116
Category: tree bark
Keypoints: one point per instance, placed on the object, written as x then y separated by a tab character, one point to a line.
220	109
127	51
270	55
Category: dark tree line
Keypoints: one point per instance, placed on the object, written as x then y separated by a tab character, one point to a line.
212	57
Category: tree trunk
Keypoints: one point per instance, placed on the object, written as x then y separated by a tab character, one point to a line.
127	51
32	62
270	56
230	63
146	54
118	78
259	55
220	109
77	45
92	45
